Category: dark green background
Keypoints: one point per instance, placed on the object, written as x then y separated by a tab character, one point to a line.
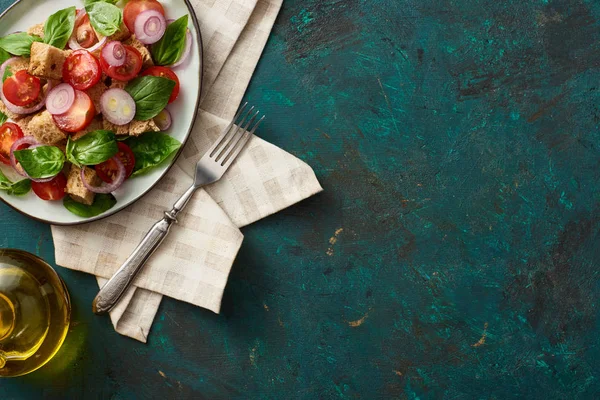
458	145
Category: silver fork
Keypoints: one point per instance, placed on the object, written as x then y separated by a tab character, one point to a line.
209	169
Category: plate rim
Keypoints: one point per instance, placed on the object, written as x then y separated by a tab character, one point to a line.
109	213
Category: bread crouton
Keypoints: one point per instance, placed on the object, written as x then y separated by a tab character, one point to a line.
43	128
75	187
9	114
21	63
117	129
24	125
136	128
95	92
120	35
95	125
46	61
118	84
37	30
146	56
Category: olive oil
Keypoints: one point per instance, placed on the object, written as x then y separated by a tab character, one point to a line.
34	312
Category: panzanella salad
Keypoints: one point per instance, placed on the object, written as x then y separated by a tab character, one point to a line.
84	97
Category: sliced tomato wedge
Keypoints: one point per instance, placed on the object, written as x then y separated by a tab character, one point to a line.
107	171
79	116
165	72
51	190
84	33
9	133
127	71
135	7
21	88
81	70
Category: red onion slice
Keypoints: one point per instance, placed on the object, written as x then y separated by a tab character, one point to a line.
13	107
60	99
74	44
150	26
114	54
110	187
28	140
188	50
163	120
117	106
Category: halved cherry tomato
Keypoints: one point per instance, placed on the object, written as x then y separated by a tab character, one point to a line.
128	71
81	70
84	33
135	7
165	72
9	133
108	169
51	190
79	116
21	88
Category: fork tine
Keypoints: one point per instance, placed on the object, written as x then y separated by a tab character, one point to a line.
236	139
226	131
240	145
239	126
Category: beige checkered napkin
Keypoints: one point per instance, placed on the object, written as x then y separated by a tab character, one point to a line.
194	262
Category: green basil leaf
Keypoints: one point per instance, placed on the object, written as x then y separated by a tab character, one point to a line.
105	18
41	162
3	118
18	44
20	188
151	95
4	55
59	27
4	181
102	203
151	149
169	49
14	189
92	149
7	74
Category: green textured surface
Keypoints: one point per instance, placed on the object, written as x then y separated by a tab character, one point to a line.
457	142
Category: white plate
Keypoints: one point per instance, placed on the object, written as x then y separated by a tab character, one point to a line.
26	13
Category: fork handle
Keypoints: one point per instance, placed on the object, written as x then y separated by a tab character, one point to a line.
113	290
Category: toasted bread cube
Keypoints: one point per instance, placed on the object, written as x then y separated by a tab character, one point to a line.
120	35
21	63
118	84
9	114
136	128
117	129
46	61
43	128
146	56
37	30
24	125
95	92
75	187
95	125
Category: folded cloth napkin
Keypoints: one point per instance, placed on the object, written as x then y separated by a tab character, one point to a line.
194	262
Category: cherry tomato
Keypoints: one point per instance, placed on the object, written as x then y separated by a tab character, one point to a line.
79	116
21	88
165	72
85	34
135	7
81	70
9	133
51	190
128	71
108	169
